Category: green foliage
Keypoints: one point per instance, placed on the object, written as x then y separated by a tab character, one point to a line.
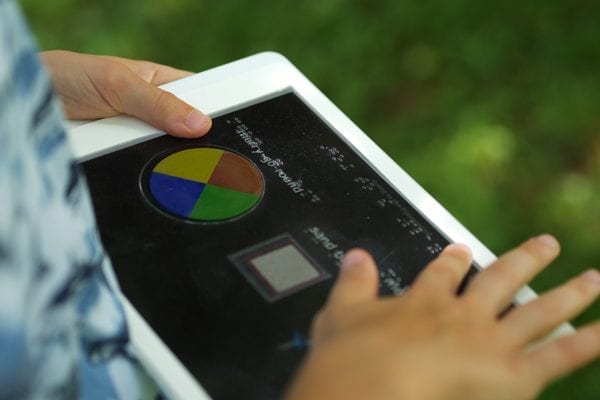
493	107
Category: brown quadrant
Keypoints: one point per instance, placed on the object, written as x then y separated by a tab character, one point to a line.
236	173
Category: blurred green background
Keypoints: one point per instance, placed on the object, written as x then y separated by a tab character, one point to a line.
493	108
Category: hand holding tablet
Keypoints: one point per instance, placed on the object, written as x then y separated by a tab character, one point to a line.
215	312
93	87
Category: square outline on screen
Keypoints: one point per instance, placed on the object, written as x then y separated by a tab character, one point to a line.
243	260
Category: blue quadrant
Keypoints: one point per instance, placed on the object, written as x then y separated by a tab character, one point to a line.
177	195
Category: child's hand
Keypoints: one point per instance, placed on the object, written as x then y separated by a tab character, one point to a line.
431	344
93	87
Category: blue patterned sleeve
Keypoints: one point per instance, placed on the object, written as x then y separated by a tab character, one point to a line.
63	333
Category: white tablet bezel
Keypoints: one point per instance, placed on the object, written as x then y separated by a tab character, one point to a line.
228	87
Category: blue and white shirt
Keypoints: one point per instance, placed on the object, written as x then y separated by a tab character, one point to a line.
62	330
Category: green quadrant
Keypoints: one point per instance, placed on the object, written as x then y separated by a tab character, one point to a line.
218	203
195	164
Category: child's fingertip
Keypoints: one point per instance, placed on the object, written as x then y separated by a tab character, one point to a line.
197	122
458	249
352	258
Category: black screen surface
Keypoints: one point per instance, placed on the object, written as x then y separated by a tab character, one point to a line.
212	290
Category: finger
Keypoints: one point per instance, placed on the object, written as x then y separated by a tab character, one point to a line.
357	282
164	74
538	317
151	72
561	356
445	273
494	287
160	108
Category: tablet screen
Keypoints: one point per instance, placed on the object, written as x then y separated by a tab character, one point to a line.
228	244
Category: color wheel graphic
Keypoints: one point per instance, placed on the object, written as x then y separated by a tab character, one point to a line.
205	184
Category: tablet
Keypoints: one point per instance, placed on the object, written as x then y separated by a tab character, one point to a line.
226	246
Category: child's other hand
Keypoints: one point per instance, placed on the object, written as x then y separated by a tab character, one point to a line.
431	344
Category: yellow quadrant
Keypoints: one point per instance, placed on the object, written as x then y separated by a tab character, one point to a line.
193	164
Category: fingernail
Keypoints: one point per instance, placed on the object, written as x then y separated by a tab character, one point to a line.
592	276
352	258
548	241
459	248
196	121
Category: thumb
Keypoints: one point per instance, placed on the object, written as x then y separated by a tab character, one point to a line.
357	282
161	109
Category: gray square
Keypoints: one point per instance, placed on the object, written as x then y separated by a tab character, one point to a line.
278	267
285	268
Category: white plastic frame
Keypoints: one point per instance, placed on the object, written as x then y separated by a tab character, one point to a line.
228	87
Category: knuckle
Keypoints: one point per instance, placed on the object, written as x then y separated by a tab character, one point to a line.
162	101
471	305
162	98
573	292
114	86
146	70
452	269
114	73
557	307
454	257
578	291
536	251
513	274
570	351
525	257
